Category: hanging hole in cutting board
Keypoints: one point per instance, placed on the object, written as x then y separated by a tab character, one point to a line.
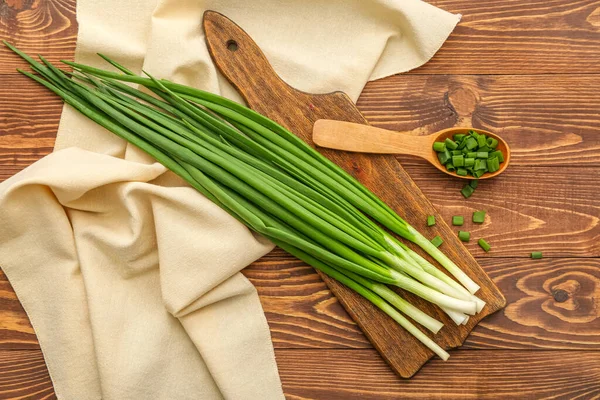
232	45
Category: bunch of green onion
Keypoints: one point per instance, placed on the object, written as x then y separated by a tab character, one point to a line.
275	184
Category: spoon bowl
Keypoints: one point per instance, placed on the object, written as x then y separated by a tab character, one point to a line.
449	133
349	136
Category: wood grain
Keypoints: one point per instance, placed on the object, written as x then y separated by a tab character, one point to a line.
28	123
16	331
552	120
520	37
529	214
45	27
546	119
553	210
500	37
263	90
360	374
543	125
552	304
23	375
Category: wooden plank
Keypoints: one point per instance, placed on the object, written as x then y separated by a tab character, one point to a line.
359	374
532	213
552	304
29	119
505	36
523	214
547	120
543	127
16	331
520	37
501	374
553	210
23	375
494	37
46	27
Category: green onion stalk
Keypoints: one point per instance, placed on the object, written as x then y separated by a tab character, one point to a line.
275	184
285	144
388	240
271	134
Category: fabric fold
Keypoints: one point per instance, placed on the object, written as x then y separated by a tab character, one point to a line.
131	278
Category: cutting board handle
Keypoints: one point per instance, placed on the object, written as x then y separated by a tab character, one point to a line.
237	56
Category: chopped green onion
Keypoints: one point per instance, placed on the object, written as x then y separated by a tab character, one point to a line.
450	144
492	143
458	220
474	183
484	245
458	137
471	143
493	164
430	220
464	236
467	191
437	241
481	140
444	156
477	174
536	255
480	165
439	146
472	154
458	161
479	217
498	154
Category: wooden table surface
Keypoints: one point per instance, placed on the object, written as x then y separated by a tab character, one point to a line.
528	70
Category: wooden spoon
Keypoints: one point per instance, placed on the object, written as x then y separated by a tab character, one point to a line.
360	138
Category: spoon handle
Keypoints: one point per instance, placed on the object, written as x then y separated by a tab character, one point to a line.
348	136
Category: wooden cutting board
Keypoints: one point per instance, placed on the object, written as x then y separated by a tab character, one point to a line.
242	62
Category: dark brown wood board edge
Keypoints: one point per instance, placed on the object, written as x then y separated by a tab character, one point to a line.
242	62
